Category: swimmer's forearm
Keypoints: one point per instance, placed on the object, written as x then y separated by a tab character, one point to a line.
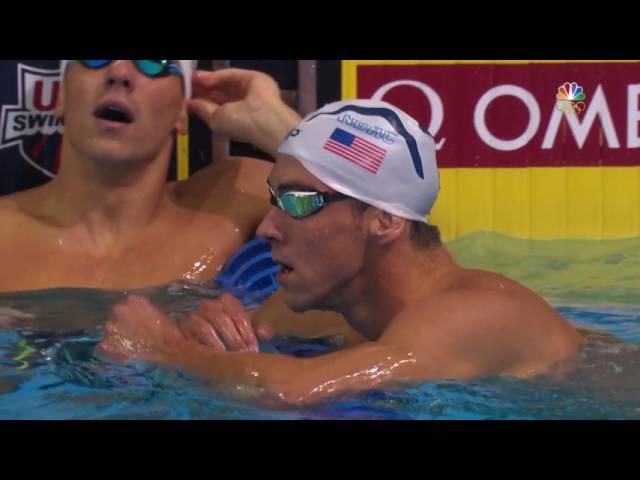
298	380
269	371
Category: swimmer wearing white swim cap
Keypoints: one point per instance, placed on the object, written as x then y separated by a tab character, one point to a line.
371	151
350	191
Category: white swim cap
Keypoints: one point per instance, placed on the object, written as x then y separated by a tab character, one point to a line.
372	151
187	66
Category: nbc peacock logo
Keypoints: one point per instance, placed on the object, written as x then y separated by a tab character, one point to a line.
570	98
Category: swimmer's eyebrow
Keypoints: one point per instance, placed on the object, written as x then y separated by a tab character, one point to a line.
289	187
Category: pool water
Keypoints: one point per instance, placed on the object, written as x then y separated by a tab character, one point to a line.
48	369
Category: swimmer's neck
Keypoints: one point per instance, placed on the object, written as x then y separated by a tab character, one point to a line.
106	204
397	279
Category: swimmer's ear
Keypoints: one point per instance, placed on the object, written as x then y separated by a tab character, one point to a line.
386	228
181	123
58	111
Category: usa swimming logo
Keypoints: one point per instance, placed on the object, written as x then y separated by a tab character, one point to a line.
31	125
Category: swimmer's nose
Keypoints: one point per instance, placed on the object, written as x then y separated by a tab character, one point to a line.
121	74
268	229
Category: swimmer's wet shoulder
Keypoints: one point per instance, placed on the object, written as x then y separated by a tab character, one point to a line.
232	180
471	331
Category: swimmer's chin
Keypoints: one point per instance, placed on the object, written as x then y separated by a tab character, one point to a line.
297	307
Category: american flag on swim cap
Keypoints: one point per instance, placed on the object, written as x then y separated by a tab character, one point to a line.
356	149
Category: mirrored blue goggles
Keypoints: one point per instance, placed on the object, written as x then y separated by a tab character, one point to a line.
303	204
150	68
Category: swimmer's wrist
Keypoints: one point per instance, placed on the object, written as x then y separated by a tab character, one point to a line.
275	122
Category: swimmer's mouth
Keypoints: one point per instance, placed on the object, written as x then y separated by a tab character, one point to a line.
114	113
284	268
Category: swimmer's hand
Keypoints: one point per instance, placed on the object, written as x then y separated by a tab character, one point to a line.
224	325
244	105
139	331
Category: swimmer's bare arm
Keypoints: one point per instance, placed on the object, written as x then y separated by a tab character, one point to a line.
244	105
134	333
302	380
462	334
138	330
412	349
